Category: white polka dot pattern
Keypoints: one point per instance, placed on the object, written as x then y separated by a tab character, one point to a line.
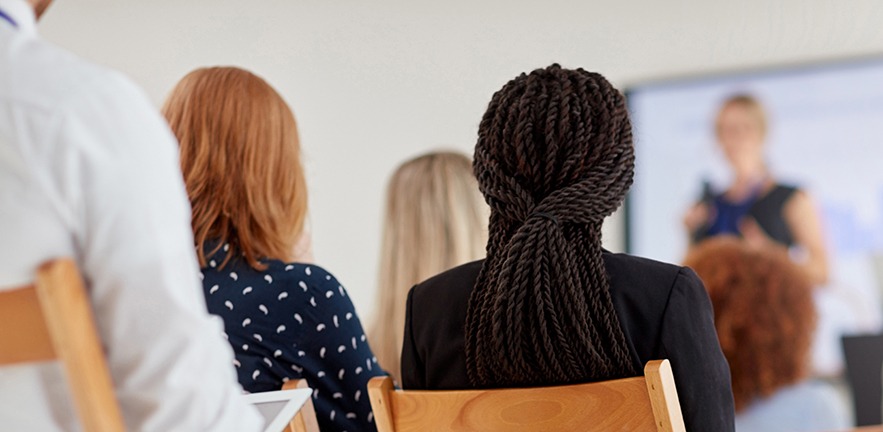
295	321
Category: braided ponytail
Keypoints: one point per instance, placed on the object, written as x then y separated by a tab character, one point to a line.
554	158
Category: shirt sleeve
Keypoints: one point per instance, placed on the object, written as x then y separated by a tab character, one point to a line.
118	170
412	367
690	343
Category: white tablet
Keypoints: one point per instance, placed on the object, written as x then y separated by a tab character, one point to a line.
279	407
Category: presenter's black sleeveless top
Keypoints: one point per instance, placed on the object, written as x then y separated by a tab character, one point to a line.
767	210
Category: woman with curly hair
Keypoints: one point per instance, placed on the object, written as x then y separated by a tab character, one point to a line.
765	318
549	306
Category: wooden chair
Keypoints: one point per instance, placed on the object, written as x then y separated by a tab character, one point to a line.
648	403
52	320
305	420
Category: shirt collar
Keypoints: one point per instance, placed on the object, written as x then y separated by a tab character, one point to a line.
21	12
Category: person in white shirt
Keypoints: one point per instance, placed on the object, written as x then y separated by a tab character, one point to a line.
88	169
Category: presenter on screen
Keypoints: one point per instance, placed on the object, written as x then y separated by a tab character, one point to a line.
755	206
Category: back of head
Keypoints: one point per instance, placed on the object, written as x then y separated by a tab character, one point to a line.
554	157
435	220
40	7
241	161
763	312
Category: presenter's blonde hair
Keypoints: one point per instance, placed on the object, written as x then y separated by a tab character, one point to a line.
436	219
750	104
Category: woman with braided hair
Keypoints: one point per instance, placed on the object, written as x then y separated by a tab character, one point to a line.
548	305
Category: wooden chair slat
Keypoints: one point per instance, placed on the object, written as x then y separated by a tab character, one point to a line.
305	420
664	396
53	320
24	337
624	404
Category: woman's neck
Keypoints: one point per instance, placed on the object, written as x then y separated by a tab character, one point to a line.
748	181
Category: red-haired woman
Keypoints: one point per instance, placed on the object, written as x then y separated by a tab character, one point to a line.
241	161
764	315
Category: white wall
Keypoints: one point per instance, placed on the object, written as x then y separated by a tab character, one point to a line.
375	82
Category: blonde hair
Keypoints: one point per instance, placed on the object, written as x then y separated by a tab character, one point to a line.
240	156
750	104
436	219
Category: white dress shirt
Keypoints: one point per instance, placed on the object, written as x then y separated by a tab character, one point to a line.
88	169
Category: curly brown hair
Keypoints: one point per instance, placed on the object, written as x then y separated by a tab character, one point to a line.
763	312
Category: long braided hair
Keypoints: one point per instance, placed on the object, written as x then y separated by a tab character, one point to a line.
554	158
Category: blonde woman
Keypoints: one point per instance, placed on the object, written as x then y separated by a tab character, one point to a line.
436	219
755	206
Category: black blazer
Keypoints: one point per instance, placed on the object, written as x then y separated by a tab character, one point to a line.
664	311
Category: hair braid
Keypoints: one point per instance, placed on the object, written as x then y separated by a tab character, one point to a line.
554	158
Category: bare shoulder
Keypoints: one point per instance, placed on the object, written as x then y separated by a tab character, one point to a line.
800	203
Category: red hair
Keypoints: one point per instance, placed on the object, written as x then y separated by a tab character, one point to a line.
763	312
240	156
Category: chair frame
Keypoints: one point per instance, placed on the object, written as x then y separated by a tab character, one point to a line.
649	403
52	320
305	420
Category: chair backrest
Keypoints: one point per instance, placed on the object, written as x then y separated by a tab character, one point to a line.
305	420
52	320
648	403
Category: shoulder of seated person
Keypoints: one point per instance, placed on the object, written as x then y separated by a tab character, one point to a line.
622	260
456	281
618	264
630	267
58	80
308	273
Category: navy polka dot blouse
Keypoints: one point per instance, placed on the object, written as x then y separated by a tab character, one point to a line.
294	321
